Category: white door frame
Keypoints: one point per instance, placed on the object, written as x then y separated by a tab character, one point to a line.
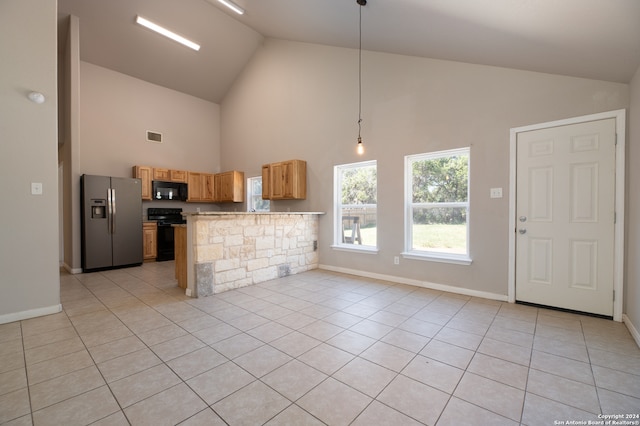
618	260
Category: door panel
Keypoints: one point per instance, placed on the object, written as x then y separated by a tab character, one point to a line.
565	216
127	221
96	227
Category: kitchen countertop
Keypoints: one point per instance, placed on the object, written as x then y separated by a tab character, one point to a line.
214	213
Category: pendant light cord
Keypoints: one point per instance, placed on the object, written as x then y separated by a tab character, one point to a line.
360	73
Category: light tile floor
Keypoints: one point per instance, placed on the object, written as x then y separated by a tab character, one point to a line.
310	349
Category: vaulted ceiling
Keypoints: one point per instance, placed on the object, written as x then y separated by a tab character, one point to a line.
598	39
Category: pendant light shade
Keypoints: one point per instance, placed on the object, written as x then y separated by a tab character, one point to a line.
360	146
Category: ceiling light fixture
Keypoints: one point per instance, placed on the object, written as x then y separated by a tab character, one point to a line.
360	146
165	32
231	5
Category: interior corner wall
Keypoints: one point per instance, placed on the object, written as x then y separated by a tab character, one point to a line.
297	100
69	150
29	281
632	279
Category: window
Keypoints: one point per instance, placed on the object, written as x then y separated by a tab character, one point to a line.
355	193
437	206
255	203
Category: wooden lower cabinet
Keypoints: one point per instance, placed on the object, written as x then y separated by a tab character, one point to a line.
150	240
180	241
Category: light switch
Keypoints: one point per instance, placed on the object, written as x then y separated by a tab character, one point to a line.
36	188
496	193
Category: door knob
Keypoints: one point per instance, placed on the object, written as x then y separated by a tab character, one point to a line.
523	218
522	231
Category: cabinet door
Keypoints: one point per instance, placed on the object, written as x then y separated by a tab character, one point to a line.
195	187
219	187
237	187
144	173
178	176
161	174
278	180
266	182
207	187
150	241
299	180
229	187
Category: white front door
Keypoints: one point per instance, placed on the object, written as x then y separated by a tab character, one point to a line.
565	213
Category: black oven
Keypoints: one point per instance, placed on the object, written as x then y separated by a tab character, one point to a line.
165	218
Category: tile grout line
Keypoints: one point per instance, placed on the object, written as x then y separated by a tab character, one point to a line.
325	341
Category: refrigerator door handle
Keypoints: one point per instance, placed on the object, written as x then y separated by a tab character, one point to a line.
109	212
113	217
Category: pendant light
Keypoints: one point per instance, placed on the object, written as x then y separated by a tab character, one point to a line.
360	146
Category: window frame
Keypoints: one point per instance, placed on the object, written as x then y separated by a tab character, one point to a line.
338	206
251	195
409	206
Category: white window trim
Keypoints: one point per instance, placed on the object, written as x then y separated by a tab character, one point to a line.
337	234
249	194
425	255
437	257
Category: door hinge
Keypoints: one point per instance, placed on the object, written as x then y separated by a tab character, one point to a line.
615	217
614	295
616	142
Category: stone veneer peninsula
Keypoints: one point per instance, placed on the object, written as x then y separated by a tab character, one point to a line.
227	250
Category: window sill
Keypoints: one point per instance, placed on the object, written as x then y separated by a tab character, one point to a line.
433	257
355	248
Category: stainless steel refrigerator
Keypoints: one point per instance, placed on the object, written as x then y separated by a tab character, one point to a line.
111	222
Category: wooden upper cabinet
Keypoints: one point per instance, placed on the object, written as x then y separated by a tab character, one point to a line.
287	180
194	188
207	187
178	176
170	175
201	187
161	174
266	177
229	187
144	173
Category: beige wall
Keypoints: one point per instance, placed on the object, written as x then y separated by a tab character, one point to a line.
298	100
29	279
116	112
632	282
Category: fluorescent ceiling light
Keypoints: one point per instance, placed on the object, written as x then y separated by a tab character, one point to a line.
237	9
165	32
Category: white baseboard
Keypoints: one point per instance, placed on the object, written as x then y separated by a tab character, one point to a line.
632	329
418	283
70	270
31	313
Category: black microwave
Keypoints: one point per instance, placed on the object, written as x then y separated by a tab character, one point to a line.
169	191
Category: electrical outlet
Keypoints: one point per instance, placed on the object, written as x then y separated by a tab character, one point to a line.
396	260
496	193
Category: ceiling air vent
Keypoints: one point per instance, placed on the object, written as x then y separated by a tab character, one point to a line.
154	136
